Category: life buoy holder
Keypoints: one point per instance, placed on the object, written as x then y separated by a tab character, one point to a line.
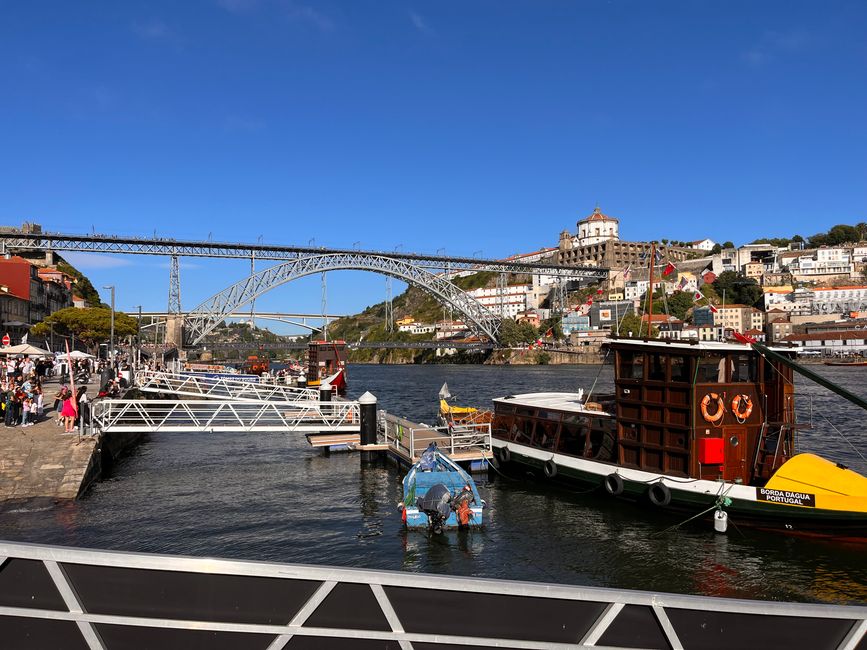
745	402
505	455
720	408
659	494
549	468
613	484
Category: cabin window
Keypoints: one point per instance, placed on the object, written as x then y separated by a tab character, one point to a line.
743	367
550	415
680	368
573	435
546	434
631	365
656	367
522	430
711	369
526	412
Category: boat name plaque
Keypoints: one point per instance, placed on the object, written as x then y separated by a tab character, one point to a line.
786	497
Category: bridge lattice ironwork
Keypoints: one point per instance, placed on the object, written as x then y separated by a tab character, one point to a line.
205	318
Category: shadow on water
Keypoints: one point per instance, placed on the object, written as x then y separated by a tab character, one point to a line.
271	497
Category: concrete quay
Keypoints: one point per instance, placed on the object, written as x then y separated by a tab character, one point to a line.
43	462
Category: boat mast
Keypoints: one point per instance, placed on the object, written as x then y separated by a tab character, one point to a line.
650	291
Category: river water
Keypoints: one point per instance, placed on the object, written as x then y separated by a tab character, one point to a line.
272	497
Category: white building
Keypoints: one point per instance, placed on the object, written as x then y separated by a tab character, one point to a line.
417	328
703	244
597	228
506	301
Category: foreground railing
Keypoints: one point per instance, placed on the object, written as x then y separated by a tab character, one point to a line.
414	438
221	388
205	416
54	597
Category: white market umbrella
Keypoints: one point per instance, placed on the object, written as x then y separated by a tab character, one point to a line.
25	348
77	354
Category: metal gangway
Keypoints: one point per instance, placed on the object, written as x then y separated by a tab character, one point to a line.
409	439
221	388
190	416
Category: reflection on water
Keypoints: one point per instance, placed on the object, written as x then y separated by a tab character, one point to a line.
272	497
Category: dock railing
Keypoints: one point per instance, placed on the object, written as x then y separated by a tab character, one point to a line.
220	388
230	416
413	438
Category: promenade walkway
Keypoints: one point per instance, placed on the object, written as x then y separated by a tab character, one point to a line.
42	461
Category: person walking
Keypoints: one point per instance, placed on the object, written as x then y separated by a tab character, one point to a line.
68	413
59	397
83	418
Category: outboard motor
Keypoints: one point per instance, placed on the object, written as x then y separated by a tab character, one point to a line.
436	504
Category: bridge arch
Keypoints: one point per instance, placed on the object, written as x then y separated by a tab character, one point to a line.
204	318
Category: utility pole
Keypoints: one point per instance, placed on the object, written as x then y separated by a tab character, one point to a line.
389	306
324	307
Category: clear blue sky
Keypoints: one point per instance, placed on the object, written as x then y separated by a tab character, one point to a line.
465	125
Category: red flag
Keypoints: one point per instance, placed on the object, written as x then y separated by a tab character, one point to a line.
668	269
713	309
599	291
743	338
550	332
698	295
71	380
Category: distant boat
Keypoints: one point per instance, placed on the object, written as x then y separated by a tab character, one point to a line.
854	362
438	494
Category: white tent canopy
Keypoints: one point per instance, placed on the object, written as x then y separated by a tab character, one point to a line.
25	348
75	354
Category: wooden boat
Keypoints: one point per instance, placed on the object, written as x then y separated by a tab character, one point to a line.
699	427
846	363
438	494
325	363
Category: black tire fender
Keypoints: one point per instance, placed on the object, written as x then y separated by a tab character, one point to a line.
549	468
659	494
613	484
505	455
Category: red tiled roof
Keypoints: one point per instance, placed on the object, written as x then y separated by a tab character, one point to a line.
598	216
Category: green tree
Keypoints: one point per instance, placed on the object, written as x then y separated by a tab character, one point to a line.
514	334
728	244
83	287
91	325
631	325
716	250
737	289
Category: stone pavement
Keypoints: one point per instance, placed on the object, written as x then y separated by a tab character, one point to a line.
42	461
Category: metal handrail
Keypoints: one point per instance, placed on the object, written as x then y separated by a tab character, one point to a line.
220	388
231	416
414	438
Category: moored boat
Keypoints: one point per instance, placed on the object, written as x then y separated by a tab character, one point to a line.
853	362
438	494
698	427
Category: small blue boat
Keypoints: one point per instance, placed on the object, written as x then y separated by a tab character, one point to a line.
438	494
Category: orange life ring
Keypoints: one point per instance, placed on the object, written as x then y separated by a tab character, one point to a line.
736	407
720	408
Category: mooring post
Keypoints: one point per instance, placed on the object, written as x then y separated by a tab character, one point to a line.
367	404
324	392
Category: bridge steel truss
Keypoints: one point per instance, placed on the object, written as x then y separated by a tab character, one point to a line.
13	242
221	388
205	318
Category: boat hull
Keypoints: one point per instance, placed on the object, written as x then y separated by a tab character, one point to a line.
689	496
417	520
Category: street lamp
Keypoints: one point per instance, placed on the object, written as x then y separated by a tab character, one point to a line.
111	353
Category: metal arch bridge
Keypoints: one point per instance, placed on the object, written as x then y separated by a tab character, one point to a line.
414	268
205	318
16	241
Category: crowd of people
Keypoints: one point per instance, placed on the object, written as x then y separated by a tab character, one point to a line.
22	392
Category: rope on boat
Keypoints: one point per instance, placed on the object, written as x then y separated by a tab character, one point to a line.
601	366
722	500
